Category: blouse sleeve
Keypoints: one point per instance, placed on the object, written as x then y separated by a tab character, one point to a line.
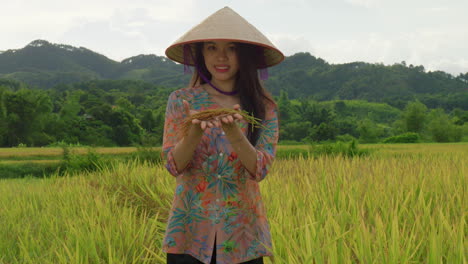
173	123
266	144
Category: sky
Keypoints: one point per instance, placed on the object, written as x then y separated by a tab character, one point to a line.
431	33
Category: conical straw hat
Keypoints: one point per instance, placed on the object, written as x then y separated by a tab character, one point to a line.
227	25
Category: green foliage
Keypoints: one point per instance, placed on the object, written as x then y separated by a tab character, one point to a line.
9	171
43	64
377	112
409	137
345	138
414	116
285	107
74	163
295	130
292	153
24	117
459	116
369	132
98	113
289	142
323	132
346	149
55	64
442	129
131	113
394	84
63	144
147	154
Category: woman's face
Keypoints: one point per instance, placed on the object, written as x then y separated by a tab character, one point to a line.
221	60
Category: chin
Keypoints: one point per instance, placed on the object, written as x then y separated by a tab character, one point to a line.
222	78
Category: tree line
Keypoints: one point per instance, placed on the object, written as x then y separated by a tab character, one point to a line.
131	113
96	113
44	65
343	120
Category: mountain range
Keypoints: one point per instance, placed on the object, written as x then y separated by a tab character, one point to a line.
43	65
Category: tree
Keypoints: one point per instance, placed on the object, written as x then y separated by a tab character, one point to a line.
148	121
3	115
340	107
126	130
295	131
323	132
285	107
347	126
442	129
460	116
25	117
414	116
369	132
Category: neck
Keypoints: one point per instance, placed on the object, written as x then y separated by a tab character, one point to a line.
226	86
213	91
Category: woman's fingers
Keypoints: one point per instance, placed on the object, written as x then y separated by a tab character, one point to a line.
217	121
238	116
206	124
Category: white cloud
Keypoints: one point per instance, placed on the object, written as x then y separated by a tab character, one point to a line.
435	50
25	20
290	44
364	3
427	32
123	34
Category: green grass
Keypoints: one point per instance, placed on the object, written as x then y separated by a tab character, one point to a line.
405	203
72	160
14	170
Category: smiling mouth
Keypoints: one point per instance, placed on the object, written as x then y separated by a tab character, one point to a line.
221	68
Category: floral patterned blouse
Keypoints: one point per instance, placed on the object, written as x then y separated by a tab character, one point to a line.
215	195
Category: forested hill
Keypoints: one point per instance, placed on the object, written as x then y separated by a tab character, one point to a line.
44	65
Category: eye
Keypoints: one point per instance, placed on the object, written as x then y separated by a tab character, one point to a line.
211	47
232	48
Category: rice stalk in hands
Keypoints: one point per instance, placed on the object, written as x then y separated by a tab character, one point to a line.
220	112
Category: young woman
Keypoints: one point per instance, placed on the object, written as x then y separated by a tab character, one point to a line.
217	215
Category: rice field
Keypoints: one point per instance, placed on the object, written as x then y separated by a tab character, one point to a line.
403	204
51	153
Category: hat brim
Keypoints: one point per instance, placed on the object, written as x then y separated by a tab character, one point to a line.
176	51
225	25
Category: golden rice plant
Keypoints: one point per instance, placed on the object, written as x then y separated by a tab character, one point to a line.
387	208
211	114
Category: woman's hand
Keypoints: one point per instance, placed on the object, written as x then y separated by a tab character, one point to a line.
202	124
189	112
233	132
229	121
225	121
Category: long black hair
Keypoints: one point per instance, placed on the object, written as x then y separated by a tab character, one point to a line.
253	96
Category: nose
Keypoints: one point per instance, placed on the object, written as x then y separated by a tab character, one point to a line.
222	55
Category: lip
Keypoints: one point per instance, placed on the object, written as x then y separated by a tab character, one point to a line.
221	68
